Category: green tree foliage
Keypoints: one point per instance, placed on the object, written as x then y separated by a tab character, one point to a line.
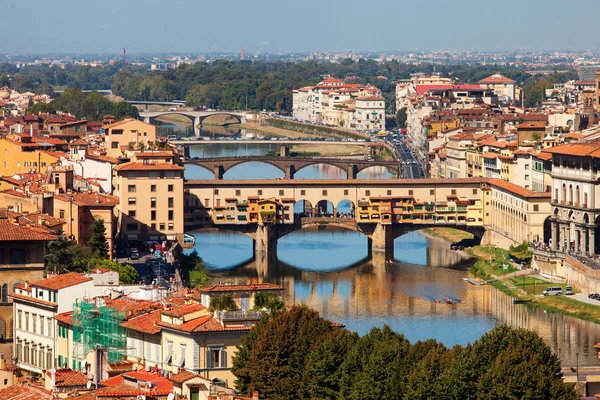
296	354
127	274
401	118
270	301
273	357
224	302
192	268
98	243
324	364
67	256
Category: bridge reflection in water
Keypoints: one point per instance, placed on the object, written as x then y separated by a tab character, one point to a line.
371	292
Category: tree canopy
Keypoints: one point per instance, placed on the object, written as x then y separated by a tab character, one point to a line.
297	354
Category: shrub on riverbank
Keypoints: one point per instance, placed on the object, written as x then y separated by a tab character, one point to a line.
296	354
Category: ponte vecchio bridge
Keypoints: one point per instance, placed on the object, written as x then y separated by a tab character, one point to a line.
382	210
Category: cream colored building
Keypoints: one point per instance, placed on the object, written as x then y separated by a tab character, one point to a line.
501	85
35	306
128	133
519	214
150	200
456	155
575	198
370	114
334	102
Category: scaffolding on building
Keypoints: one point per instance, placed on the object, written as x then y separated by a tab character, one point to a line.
97	327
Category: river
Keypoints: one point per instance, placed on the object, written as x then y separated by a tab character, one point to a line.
332	272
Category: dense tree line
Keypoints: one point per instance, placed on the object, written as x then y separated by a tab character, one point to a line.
298	355
91	106
234	85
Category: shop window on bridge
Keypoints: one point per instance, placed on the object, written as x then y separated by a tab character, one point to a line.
345	192
389	192
367	192
324	192
410	193
238	192
260	192
454	191
281	192
431	192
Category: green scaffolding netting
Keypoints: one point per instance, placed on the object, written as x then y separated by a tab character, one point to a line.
92	326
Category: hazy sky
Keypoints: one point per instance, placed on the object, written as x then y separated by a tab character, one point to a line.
33	26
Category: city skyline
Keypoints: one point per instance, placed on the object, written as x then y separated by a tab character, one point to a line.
309	26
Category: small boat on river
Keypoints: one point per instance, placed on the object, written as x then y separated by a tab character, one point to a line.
520	301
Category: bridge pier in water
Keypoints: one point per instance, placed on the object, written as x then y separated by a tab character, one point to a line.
197	126
382	241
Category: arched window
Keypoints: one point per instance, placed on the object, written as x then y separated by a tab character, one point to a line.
556	195
570	194
585	200
4	293
577	195
564	196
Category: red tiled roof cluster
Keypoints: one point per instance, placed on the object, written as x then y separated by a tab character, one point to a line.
184	310
24	392
66	377
10	231
145	323
89	199
57	282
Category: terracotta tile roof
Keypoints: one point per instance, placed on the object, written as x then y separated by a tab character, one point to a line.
116	386
89	199
118	123
62	281
240	288
123	366
543	155
206	323
66	377
48	220
56	154
184	309
32	299
145	323
137	166
131	306
50	141
576	149
66	317
183	377
143	154
532	125
125	390
516	189
79	142
13	232
496	78
97	157
370	98
24	392
490	155
16	193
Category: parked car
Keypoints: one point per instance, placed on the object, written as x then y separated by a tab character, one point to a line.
568	290
134	254
552	291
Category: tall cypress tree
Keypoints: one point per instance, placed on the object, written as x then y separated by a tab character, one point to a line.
98	242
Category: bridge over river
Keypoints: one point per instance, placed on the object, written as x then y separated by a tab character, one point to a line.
382	210
291	165
197	117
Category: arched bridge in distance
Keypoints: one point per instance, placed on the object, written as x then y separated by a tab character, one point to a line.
197	117
291	165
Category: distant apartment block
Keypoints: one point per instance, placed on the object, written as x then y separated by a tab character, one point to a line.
336	103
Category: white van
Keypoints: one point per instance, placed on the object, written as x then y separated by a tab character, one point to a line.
552	291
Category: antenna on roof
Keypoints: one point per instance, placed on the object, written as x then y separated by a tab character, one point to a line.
124	56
